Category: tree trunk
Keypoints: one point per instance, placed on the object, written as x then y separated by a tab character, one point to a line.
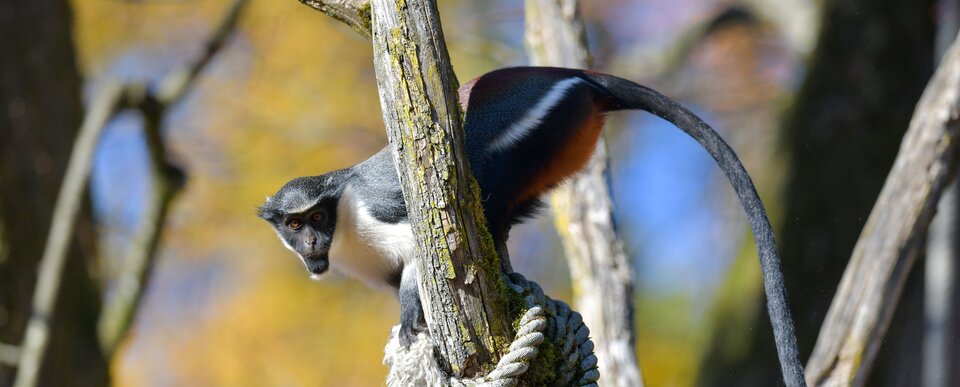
459	273
583	211
41	111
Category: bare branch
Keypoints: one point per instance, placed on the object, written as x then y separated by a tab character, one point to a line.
354	13
583	211
871	285
166	181
175	85
107	102
459	272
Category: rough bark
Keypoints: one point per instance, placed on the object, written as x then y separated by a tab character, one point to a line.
354	13
459	272
890	241
583	211
40	112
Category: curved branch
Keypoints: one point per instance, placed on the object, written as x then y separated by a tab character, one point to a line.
173	87
67	208
867	296
354	13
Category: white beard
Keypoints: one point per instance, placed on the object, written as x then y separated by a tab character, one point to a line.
365	248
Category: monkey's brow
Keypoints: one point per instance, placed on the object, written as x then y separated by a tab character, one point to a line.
319	203
303	207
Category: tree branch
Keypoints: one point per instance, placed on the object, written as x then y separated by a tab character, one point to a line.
354	13
173	87
166	181
583	211
868	293
65	213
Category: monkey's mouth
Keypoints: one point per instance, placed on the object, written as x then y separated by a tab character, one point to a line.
316	265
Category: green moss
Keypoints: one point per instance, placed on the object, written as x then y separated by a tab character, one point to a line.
366	19
543	369
448	263
396	37
428	145
488	248
513	303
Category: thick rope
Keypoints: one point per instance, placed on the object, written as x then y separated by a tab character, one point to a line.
544	318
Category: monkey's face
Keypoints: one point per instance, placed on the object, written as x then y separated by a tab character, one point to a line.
309	234
304	216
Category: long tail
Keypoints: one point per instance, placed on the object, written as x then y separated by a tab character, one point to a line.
629	95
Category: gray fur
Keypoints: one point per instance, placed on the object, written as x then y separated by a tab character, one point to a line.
379	185
374	241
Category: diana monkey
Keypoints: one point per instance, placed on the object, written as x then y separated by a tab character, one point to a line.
527	129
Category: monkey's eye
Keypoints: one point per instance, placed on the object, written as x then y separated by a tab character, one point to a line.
294	224
318	217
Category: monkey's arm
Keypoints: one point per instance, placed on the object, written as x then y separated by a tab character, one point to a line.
411	311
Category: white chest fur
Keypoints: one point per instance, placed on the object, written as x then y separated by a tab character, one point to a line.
366	248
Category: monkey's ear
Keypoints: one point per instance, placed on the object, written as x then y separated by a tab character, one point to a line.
266	210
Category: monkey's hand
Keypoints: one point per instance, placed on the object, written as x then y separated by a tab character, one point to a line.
411	311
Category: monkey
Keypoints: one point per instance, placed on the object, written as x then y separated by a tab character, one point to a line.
527	129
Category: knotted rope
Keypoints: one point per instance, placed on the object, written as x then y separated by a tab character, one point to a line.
544	318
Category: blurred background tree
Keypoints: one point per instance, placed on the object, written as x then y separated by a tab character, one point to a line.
227	305
842	132
41	111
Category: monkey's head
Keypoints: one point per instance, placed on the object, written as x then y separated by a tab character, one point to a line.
303	213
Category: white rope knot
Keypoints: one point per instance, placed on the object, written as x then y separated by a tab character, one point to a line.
544	318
